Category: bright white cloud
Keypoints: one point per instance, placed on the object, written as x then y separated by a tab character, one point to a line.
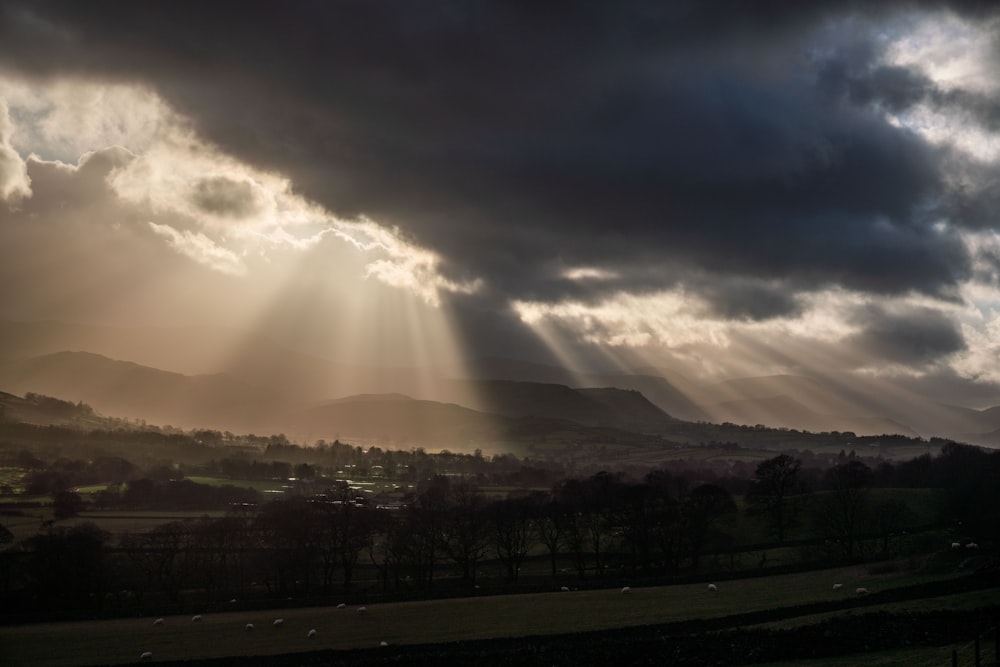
201	249
66	118
14	181
585	273
957	56
979	362
205	204
953	52
404	264
668	319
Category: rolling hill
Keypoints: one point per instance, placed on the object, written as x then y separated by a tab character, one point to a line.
233	381
132	391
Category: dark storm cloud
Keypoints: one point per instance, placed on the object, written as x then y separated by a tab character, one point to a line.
898	89
744	300
517	139
915	337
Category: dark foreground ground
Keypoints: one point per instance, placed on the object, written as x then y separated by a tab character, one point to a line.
693	644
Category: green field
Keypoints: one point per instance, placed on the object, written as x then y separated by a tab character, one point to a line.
432	621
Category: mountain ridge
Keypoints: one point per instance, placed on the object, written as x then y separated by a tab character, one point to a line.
267	377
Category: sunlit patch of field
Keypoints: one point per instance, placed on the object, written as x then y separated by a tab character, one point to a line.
269	486
425	622
12	476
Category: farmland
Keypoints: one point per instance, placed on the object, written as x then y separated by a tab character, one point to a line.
223	633
460	555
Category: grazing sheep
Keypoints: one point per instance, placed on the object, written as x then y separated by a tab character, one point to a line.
158	621
971	545
861	591
341	605
196	618
626	589
564	589
713	588
837	587
249	627
233	601
146	655
278	622
383	644
956	545
311	633
362	610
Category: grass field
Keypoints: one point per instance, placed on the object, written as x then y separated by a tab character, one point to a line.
424	622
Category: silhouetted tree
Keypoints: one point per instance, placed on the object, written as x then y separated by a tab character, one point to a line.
701	510
549	520
66	504
464	531
843	509
774	481
69	565
512	534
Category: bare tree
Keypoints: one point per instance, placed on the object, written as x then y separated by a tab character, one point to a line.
843	510
774	481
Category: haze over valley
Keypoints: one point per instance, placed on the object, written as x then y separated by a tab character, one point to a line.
260	386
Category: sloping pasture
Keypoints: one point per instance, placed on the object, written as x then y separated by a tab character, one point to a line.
429	622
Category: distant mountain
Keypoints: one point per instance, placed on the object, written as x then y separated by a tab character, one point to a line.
129	390
242	381
393	420
676	396
223	402
253	359
607	406
783	411
671	392
630	408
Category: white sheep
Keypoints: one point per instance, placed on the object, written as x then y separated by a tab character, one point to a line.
956	545
837	587
341	605
713	588
626	589
249	627
861	591
383	644
362	610
278	622
158	621
311	633
971	545
196	618
146	655
564	589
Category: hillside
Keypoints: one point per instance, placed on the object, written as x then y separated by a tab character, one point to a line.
393	420
198	377
608	406
41	410
132	391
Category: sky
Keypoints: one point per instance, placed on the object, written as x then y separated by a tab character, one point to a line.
713	188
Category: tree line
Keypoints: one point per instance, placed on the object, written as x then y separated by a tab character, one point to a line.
448	529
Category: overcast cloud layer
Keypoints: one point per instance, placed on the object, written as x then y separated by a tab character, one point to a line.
722	188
